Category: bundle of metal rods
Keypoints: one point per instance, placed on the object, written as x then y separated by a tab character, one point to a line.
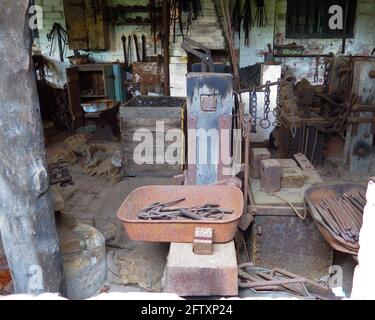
278	280
168	211
343	214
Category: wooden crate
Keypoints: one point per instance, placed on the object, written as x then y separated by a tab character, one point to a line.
143	113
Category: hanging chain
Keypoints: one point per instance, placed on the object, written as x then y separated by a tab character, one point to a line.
293	127
277	110
327	67
253	110
265	122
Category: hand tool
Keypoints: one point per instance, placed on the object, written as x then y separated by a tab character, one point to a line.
136	47
144	53
123	39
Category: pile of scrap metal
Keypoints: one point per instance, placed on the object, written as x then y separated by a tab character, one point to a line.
338	212
165	211
343	215
97	160
59	174
332	103
260	280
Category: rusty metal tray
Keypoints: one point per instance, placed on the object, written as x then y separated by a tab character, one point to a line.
224	230
329	191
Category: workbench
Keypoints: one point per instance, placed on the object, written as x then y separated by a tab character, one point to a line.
279	238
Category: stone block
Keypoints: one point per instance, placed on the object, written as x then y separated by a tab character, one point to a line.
257	155
188	274
287	163
270	176
292	178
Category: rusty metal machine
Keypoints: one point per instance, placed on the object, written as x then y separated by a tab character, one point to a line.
209	119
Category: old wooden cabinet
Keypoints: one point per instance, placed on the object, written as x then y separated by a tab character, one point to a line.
86	24
94	82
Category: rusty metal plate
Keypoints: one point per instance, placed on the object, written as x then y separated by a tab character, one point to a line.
208	102
292	244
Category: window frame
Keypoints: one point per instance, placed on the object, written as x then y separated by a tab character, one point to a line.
321	29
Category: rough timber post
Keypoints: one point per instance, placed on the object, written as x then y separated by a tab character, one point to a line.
27	223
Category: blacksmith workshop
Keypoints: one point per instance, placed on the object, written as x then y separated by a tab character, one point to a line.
187	149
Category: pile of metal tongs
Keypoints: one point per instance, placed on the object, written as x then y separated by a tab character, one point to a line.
167	211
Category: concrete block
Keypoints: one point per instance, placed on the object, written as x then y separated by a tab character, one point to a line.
257	155
303	162
292	178
287	163
188	274
270	176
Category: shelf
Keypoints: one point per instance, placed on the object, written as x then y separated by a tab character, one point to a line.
90	97
302	56
132	24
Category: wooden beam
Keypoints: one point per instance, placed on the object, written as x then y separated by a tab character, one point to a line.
166	32
27	220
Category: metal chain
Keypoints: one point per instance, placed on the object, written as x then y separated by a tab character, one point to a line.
265	122
277	110
253	109
326	73
247	121
293	127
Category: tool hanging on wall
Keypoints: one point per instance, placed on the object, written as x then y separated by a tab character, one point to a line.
130	51
316	75
253	109
123	39
176	15
59	34
237	18
144	52
153	18
247	20
277	110
193	8
137	48
260	19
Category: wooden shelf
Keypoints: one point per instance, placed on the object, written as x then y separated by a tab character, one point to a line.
132	24
89	97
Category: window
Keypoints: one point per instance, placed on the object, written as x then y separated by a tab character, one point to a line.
309	19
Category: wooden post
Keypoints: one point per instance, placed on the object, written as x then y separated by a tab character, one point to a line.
166	31
27	221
